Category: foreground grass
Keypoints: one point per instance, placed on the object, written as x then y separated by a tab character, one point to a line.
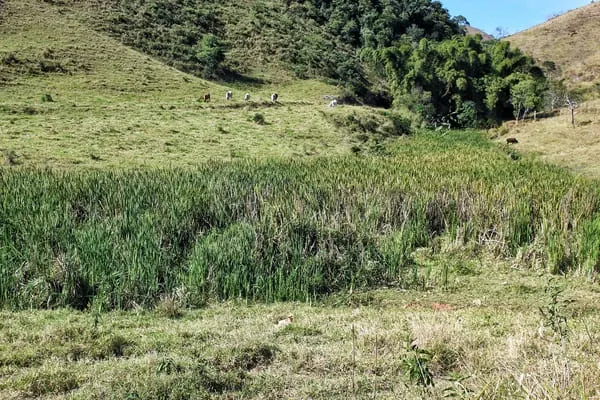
474	327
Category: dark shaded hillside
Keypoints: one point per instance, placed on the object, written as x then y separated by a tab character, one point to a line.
308	39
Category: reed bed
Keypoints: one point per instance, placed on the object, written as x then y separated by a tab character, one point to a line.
271	230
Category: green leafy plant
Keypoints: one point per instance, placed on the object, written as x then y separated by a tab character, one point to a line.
211	54
258	118
416	365
553	313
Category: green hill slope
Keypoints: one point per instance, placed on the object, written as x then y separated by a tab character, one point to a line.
74	96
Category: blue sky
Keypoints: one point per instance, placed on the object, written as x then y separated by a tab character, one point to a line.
512	15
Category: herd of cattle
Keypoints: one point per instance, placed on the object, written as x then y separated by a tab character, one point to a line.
274	98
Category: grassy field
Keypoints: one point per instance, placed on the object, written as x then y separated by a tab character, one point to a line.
115	107
475	329
149	242
281	230
555	140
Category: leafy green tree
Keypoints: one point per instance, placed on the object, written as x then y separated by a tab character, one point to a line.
211	54
524	96
461	21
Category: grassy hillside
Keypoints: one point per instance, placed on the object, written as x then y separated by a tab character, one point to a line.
568	45
554	138
471	30
72	96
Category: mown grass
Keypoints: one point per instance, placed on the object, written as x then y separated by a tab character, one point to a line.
284	230
479	322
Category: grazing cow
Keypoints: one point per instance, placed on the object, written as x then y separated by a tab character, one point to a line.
228	95
206	97
274	97
247	97
511	140
333	103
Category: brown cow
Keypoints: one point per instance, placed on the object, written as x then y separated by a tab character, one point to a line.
511	140
207	97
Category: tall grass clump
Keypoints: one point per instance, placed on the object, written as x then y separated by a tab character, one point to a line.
278	230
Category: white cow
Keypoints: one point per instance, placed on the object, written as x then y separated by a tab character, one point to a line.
333	103
247	97
228	95
274	97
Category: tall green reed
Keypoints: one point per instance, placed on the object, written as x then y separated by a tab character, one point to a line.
280	230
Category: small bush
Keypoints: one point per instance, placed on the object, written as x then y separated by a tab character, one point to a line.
416	365
253	356
49	66
467	115
168	366
169	307
10	59
399	125
116	345
10	157
258	118
48	53
47	98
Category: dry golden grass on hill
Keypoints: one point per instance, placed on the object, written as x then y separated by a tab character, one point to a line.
557	141
476	31
569	40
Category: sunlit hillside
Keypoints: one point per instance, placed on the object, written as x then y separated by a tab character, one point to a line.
72	96
567	46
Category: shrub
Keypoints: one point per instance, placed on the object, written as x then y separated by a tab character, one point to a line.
47	98
211	54
169	307
258	118
10	59
11	157
467	115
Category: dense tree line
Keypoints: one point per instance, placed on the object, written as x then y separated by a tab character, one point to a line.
461	81
183	33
